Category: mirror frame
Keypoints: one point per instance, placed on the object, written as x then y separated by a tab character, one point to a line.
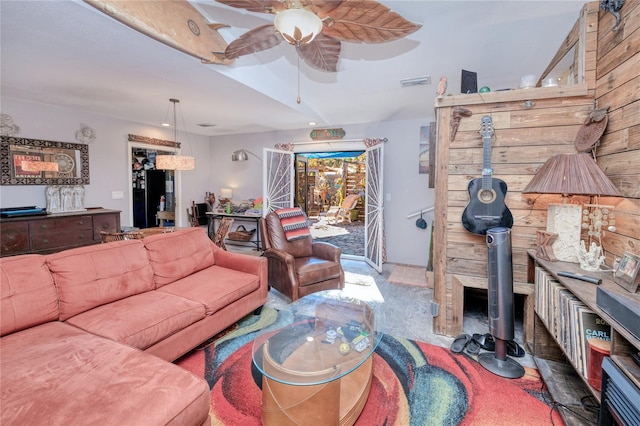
7	171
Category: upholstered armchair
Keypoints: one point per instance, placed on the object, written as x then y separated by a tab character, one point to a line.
300	266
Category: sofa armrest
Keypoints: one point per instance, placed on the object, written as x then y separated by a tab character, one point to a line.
255	265
326	251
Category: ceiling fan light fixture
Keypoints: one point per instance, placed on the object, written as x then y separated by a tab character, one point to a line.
298	26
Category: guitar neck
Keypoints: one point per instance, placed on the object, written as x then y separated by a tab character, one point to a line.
487	171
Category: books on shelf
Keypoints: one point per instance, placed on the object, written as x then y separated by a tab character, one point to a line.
580	332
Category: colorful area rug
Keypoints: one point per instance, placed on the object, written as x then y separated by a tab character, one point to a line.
414	383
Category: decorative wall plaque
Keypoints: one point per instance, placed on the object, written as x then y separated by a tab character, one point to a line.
327	134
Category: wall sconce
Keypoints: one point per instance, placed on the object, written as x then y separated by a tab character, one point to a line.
570	174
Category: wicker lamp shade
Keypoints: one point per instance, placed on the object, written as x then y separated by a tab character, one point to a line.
175	162
571	174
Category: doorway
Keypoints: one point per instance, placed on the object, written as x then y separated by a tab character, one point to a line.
278	189
152	190
323	181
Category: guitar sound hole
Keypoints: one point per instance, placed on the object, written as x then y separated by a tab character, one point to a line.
487	196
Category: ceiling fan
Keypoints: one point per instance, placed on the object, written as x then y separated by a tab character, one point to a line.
317	27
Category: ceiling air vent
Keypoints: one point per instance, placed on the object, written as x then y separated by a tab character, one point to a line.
418	81
207	125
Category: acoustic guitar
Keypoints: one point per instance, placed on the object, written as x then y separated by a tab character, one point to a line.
486	208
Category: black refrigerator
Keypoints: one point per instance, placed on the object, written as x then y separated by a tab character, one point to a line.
149	186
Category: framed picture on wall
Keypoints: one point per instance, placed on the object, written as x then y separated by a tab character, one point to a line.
427	152
17	169
626	274
423	158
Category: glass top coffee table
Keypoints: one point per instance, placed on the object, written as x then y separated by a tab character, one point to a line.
317	366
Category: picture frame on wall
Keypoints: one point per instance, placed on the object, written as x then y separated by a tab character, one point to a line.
423	158
626	274
427	152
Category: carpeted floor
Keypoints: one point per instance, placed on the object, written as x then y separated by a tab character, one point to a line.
414	383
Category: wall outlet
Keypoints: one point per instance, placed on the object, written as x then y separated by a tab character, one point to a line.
388	197
117	195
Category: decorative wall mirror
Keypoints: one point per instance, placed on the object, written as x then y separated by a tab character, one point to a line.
72	160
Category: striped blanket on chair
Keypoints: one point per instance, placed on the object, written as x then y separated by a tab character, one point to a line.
294	223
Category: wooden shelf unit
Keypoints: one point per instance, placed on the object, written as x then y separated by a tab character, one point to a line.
547	350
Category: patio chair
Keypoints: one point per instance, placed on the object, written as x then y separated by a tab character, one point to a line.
337	214
299	266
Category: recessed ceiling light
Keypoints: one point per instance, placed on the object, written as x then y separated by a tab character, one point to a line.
166	125
312	123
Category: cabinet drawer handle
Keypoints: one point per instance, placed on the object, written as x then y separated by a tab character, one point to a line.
80	222
44	226
45	241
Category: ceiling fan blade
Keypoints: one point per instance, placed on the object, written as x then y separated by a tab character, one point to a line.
323	7
366	21
256	40
261	6
322	53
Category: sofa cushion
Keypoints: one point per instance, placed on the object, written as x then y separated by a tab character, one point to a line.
91	276
214	287
176	255
311	270
140	320
28	296
55	374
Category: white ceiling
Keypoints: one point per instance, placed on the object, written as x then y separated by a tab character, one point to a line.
68	53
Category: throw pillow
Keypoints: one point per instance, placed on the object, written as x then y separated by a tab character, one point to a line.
294	223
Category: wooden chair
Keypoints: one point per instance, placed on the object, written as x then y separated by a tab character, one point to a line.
164	216
197	214
222	232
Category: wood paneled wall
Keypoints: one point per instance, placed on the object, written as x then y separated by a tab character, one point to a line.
618	86
526	135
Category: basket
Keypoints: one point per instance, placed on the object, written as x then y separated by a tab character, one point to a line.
241	234
107	237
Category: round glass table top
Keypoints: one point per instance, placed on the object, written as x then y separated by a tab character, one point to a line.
320	337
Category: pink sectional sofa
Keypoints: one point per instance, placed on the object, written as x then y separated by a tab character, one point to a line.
88	333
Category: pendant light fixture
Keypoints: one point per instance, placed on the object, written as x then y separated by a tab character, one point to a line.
175	162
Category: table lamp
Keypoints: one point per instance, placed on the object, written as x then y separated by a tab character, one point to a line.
571	174
226	194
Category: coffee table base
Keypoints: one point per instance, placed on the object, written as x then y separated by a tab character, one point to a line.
337	402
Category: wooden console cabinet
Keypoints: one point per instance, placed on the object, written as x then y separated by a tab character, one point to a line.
557	367
55	232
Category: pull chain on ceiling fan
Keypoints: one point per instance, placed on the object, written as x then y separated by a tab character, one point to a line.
317	28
